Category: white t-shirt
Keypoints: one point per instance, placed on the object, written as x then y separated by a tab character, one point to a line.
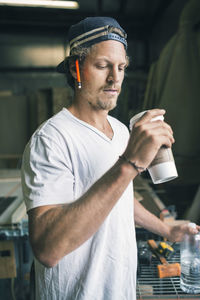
64	157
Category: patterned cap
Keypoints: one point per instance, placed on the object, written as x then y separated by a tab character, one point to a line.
91	31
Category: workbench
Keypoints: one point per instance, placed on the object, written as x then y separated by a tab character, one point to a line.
15	251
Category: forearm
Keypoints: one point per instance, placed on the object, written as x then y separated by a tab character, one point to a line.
174	233
62	229
149	221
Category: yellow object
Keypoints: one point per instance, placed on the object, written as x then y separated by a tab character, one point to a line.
165	249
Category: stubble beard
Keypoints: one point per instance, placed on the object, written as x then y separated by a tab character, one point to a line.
106	104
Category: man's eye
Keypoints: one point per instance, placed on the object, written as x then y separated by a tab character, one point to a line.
101	66
121	68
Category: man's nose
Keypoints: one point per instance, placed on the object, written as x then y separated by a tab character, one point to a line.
113	75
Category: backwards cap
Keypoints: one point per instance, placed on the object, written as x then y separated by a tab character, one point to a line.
91	31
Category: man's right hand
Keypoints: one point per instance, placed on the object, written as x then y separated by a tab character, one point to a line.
147	137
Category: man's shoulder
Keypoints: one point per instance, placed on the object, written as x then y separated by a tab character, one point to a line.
55	123
52	129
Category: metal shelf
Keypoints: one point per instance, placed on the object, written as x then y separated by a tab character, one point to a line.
150	286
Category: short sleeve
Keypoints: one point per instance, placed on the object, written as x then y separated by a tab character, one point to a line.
47	176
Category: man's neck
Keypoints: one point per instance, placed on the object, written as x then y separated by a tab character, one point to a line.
96	118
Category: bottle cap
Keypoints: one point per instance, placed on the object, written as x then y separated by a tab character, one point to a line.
192	225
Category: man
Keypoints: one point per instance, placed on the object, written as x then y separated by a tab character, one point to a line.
77	176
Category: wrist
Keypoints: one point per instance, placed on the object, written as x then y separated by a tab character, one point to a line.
167	231
134	165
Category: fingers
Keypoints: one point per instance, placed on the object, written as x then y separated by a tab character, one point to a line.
192	230
158	128
163	125
163	132
177	232
147	136
158	131
154	125
150	114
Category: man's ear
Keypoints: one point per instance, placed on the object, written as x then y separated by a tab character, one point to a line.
72	69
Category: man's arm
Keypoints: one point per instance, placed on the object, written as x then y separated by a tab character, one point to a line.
152	223
57	230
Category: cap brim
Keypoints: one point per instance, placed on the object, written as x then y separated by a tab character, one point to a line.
61	68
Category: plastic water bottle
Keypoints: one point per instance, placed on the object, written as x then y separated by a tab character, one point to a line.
190	263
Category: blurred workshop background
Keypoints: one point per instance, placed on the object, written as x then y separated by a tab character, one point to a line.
164	71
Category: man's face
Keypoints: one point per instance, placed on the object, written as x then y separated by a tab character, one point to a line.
102	74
